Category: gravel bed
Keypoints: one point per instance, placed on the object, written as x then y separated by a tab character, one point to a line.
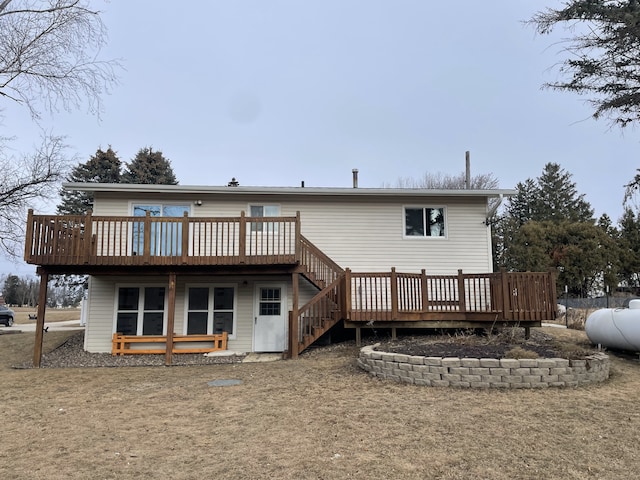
72	354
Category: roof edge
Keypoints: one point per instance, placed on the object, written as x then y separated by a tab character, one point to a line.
318	191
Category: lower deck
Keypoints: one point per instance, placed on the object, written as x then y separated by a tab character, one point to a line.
287	311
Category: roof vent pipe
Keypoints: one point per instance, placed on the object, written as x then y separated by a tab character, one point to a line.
355	177
467	182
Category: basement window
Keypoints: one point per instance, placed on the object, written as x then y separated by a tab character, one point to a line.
141	311
211	309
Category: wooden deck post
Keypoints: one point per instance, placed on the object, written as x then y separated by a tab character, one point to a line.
88	237
185	237
242	240
462	297
171	314
146	235
294	327
29	236
506	300
394	293
346	314
298	242
552	294
42	306
424	290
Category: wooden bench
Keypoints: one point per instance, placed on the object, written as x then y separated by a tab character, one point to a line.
122	344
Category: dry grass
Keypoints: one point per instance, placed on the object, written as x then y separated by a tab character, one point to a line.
317	417
51	314
575	318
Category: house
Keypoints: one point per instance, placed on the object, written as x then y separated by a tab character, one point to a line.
275	268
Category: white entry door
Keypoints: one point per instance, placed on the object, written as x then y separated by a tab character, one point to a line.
270	319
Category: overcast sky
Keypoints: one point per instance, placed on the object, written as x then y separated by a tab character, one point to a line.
278	92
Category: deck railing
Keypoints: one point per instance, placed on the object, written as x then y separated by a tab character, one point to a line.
109	240
503	296
318	265
390	297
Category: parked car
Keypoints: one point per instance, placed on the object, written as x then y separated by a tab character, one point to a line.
6	315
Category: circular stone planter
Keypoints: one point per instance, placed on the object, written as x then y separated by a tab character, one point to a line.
484	372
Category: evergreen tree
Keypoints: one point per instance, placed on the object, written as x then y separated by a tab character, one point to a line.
601	54
149	167
103	167
629	244
549	225
519	207
550	197
581	252
11	290
557	198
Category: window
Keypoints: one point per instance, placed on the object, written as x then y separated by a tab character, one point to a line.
424	222
264	211
270	301
140	311
166	237
211	309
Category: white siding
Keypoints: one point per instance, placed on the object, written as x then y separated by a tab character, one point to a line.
364	234
102	306
361	233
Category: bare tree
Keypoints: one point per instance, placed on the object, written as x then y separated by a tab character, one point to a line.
49	60
23	182
446	181
48	55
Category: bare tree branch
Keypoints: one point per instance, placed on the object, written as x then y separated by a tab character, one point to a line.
25	181
49	57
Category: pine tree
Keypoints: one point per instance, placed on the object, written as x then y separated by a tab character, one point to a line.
629	244
557	198
549	225
601	58
103	167
519	207
149	167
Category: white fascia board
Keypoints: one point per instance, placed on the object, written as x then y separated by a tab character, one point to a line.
129	188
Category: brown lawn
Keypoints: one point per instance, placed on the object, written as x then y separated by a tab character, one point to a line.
51	314
315	418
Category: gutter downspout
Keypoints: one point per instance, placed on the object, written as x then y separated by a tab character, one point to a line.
493	210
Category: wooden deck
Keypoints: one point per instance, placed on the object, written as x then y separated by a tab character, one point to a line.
89	241
106	245
409	300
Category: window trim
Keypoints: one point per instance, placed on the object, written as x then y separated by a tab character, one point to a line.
424	236
140	311
210	305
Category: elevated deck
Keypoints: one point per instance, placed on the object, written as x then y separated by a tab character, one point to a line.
171	246
88	243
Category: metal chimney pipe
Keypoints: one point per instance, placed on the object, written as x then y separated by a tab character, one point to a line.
355	177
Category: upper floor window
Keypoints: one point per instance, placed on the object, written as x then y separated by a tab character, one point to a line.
165	237
264	211
424	222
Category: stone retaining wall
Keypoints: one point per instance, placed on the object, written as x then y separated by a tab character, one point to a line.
484	372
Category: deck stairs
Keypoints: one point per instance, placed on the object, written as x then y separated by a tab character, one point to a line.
323	311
